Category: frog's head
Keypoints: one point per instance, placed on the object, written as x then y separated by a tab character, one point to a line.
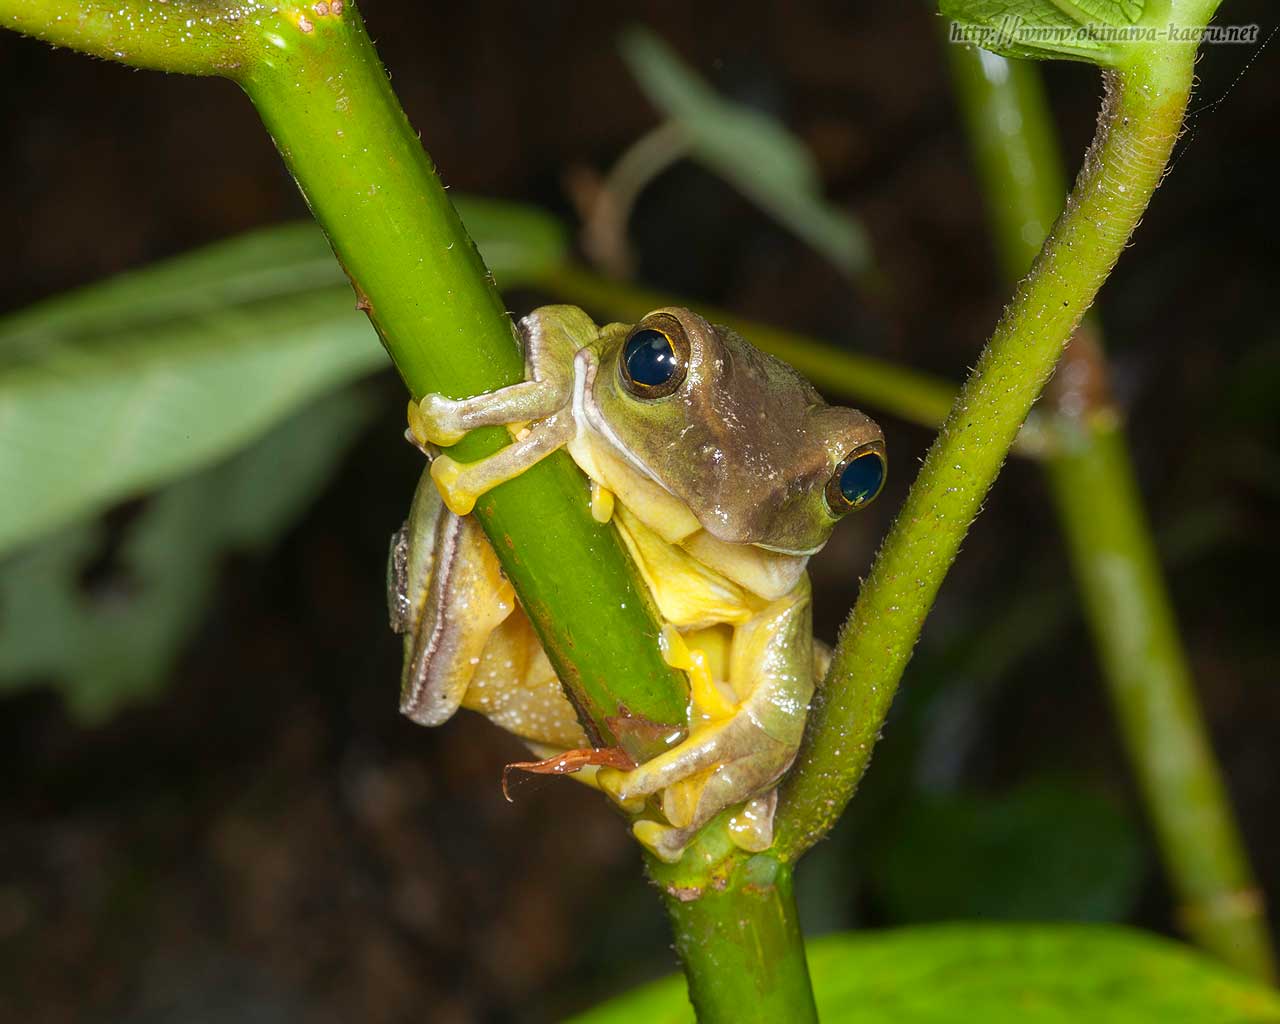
737	435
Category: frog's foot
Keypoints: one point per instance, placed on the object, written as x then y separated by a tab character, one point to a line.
750	828
722	765
461	483
436	420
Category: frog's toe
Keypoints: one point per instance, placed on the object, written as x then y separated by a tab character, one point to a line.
438	420
450	479
663	841
750	828
615	784
751	825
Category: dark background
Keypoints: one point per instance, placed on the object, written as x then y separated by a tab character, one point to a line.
268	840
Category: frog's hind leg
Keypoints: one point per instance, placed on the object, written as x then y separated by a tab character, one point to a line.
461	483
690	801
738	758
448	596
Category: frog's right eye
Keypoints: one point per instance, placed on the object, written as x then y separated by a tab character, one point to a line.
654	357
857	480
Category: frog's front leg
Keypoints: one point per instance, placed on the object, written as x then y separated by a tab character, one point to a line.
461	483
549	337
738	758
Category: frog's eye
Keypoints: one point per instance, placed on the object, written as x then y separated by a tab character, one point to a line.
857	480
654	357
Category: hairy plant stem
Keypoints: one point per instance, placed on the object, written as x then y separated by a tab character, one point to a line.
1141	115
1140	119
1099	506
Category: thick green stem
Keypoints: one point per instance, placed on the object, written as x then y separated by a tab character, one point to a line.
316	80
1142	113
321	91
742	949
1099	506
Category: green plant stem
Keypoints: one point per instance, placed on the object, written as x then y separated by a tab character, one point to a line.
1142	112
1099	506
322	93
1151	689
320	89
742	948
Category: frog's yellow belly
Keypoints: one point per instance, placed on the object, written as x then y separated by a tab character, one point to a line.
515	686
688	593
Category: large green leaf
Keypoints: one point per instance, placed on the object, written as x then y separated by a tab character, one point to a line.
1084	30
111	635
752	151
997	974
120	387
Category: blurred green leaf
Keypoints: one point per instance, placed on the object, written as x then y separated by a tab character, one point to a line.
1043	29
1045	851
745	147
997	974
117	388
114	636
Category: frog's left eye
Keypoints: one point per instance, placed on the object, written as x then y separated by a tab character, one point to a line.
857	480
654	357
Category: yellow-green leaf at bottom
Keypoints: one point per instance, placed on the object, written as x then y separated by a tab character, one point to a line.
997	974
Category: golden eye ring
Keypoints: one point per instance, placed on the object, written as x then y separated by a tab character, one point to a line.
858	480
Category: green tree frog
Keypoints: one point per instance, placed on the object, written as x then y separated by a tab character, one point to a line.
723	470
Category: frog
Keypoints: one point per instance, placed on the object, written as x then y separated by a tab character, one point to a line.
724	471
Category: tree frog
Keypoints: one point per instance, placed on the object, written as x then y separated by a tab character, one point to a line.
723	470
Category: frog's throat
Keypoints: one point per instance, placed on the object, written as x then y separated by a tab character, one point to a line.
585	411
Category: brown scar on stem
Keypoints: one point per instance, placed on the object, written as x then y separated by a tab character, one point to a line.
362	300
651	733
568	762
304	23
684	893
321	9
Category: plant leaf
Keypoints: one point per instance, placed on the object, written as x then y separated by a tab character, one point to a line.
748	149
997	974
114	640
115	389
1042	29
